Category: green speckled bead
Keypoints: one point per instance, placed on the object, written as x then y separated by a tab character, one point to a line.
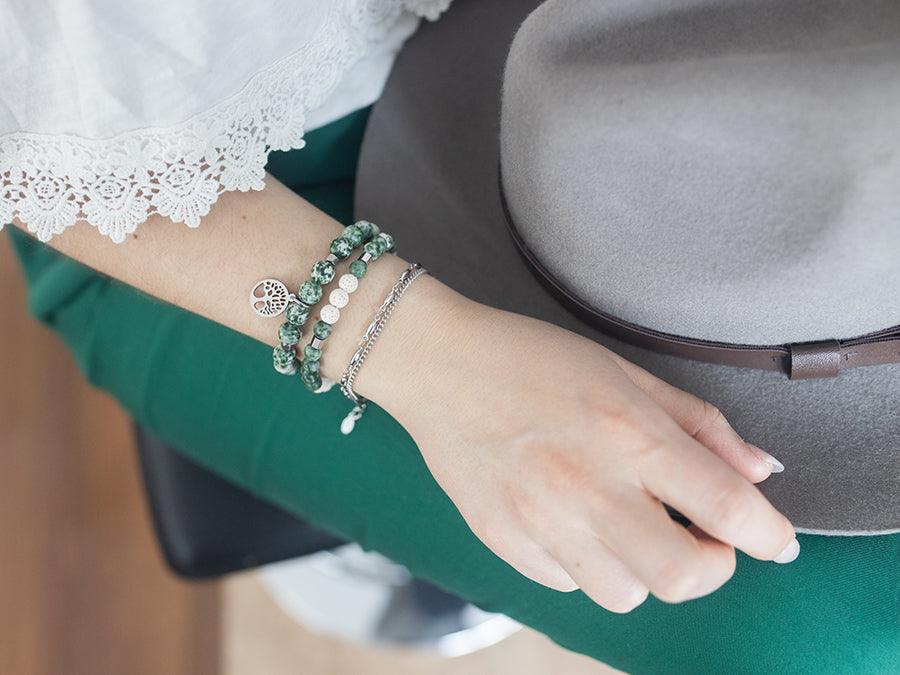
353	234
282	357
388	241
322	330
289	334
311	353
367	229
307	366
312	380
358	268
309	292
296	313
373	248
342	248
285	361
322	272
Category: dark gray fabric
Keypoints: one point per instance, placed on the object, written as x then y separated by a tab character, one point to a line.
428	174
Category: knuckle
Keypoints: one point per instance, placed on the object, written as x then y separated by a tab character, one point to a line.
632	598
620	596
675	582
614	416
716	573
542	571
708	416
653	452
628	423
731	510
559	477
563	584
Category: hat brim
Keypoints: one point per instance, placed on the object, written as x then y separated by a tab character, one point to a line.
428	173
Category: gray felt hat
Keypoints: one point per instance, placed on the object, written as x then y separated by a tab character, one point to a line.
709	178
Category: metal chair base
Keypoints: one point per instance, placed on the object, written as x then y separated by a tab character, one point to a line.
366	599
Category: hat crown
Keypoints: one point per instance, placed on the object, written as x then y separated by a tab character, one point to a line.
721	171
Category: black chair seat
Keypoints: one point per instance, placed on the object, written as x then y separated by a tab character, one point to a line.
207	526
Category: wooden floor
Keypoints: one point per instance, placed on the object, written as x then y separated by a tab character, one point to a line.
82	588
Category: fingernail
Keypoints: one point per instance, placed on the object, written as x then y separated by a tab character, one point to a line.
790	552
777	467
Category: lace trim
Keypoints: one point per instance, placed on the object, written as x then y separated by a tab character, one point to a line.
50	182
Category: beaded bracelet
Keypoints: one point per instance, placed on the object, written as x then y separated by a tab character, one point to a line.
368	340
331	313
270	297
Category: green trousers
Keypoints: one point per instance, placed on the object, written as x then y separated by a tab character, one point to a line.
213	393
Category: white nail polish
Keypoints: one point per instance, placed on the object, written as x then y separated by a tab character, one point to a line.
790	553
777	467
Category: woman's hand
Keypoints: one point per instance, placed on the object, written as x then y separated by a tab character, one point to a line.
560	455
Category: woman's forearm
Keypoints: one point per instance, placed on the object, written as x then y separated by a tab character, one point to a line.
269	234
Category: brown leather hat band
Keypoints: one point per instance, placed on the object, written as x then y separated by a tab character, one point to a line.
799	361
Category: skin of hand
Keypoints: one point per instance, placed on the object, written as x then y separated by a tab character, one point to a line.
558	453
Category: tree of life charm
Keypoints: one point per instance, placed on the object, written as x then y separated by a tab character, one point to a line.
269	297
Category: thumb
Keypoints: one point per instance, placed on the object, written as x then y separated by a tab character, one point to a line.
706	424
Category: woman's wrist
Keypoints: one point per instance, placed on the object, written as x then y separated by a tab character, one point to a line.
415	346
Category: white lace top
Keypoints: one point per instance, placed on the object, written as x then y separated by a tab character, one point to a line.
111	111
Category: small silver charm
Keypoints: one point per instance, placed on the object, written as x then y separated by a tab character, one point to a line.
269	297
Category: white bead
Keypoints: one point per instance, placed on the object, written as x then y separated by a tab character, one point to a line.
330	314
339	297
349	283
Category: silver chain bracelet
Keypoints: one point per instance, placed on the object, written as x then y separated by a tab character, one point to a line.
368	340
